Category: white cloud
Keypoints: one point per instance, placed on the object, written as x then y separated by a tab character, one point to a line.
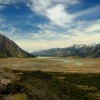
47	35
4	1
93	10
48	38
86	27
72	2
58	15
94	27
28	44
8	1
7	30
12	29
80	32
54	10
2	19
40	6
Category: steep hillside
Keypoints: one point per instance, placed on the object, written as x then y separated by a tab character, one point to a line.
73	51
10	49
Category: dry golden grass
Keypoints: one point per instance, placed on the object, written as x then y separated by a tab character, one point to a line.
72	65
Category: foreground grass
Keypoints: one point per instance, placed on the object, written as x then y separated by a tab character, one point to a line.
37	85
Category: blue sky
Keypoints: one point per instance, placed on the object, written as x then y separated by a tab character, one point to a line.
44	24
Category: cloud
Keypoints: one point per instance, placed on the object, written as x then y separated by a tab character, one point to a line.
47	38
58	15
85	27
39	6
3	26
2	19
5	1
62	30
8	30
72	2
53	10
2	7
12	29
28	44
94	27
47	35
89	12
9	1
57	11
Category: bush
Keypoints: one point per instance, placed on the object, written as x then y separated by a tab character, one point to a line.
48	86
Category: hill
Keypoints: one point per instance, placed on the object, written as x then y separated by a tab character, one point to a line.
10	49
72	51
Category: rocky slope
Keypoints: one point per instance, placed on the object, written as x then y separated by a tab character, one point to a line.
10	49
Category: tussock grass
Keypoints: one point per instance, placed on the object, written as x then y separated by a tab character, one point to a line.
37	85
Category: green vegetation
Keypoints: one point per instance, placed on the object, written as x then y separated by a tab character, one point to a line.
37	85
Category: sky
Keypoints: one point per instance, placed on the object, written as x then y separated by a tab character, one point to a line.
43	24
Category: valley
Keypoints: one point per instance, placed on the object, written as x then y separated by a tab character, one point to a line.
49	50
49	78
53	64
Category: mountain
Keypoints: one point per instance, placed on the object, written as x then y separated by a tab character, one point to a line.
10	49
72	51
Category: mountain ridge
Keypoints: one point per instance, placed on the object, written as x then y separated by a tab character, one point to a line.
72	51
8	48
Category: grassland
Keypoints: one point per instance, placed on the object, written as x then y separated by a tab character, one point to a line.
72	65
50	79
37	85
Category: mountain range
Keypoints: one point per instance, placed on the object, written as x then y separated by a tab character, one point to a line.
72	51
8	48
